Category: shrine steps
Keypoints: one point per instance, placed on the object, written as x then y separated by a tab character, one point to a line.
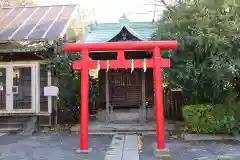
124	115
16	124
98	128
147	128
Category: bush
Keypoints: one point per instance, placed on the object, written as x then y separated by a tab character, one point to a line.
215	119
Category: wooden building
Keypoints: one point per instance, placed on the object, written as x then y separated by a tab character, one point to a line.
28	37
124	94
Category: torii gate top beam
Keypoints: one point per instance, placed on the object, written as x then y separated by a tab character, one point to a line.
109	46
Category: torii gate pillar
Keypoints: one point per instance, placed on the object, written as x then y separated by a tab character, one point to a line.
157	63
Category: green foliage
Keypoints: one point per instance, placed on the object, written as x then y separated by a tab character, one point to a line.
69	86
208	56
68	82
215	119
92	93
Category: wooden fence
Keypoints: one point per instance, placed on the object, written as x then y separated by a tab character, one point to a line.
173	102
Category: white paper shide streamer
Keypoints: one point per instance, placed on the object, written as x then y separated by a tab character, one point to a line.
108	65
98	66
132	66
144	65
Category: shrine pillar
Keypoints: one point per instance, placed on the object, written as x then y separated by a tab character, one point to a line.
159	107
84	102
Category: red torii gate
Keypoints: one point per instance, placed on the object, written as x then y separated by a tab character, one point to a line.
157	62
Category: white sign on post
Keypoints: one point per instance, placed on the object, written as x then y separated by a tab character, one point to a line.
51	91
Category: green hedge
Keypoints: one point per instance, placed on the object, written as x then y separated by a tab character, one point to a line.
215	119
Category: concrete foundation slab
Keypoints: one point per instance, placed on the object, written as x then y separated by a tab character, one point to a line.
83	151
96	126
163	155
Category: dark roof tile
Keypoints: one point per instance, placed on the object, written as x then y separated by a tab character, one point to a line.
35	23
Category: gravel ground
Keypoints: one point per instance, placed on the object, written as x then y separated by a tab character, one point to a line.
50	146
193	150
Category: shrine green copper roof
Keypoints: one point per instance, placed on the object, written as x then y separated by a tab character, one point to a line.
104	32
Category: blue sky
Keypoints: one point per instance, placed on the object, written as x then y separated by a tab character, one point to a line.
112	10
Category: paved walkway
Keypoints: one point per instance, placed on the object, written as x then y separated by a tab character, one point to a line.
195	150
52	146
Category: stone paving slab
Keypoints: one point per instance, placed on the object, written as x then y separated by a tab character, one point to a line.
130	155
130	151
131	142
51	147
116	148
123	147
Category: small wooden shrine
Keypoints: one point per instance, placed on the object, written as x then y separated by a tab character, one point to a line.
123	89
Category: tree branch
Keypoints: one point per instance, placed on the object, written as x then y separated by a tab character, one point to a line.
164	4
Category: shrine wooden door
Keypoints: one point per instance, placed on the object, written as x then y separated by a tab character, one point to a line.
125	88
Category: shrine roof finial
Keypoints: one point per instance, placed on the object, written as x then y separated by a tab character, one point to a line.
123	19
104	32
